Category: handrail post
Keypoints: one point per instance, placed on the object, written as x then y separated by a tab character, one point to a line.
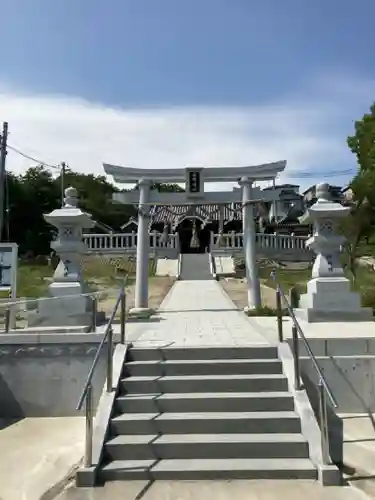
122	316
7	319
109	359
279	314
297	381
94	313
323	423
89	427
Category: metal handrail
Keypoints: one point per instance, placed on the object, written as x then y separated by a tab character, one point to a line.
18	305
179	265
87	392
308	348
38	299
212	265
323	387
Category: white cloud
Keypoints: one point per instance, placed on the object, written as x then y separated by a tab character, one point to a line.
308	130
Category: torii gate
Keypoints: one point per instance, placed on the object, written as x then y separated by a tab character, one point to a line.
194	179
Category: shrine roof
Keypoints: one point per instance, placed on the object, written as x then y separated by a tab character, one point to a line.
209	212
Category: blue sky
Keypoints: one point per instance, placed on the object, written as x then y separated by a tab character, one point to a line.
173	82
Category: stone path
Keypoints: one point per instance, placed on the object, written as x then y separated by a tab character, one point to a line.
198	313
218	490
37	455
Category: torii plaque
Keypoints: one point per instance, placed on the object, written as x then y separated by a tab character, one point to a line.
194	179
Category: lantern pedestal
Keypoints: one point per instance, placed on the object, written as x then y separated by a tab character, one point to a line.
331	299
68	308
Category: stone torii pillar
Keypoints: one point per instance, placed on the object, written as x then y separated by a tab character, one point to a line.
249	244
143	250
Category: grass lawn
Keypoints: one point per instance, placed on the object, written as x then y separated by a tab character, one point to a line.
366	249
365	281
33	279
287	278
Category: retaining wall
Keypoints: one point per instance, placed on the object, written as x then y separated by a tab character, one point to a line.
43	375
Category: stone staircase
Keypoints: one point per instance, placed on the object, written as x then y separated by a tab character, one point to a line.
204	413
166	267
224	265
195	266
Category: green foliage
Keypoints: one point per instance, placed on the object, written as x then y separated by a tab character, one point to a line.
368	298
95	197
32	280
37	192
356	227
359	225
168	188
362	143
264	311
286	277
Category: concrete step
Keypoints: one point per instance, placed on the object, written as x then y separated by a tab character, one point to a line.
168	446
204	402
203	367
200	469
192	353
206	423
211	383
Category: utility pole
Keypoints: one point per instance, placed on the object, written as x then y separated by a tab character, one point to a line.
62	181
3	154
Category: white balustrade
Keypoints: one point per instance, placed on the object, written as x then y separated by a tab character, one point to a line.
234	241
264	241
126	241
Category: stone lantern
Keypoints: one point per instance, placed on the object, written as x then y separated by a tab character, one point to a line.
67	280
329	296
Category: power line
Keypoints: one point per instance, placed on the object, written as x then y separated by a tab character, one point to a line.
28	157
324	175
295	175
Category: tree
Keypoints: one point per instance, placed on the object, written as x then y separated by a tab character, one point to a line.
359	225
37	192
362	143
39	195
167	188
95	197
356	227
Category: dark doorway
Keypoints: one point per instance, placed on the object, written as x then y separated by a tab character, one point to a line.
185	233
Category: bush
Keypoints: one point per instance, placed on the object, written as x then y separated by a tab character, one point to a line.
368	298
264	311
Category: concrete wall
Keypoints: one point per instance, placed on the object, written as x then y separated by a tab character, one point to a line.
43	375
348	365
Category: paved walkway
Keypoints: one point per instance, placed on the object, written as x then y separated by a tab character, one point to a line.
218	490
37	454
198	313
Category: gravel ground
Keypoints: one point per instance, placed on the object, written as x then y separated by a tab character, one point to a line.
236	288
159	286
